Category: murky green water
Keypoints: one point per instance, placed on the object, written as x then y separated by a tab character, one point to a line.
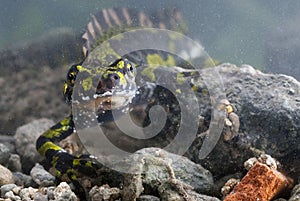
231	31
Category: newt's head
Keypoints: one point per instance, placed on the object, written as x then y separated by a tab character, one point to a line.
101	88
117	86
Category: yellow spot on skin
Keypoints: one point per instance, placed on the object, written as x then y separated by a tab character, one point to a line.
65	121
156	60
195	88
89	164
76	162
178	91
58	173
48	146
120	64
122	79
180	78
65	88
79	68
87	84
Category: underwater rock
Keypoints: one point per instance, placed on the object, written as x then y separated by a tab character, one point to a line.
63	192
177	190
6	176
268	106
260	183
295	195
23	180
104	193
7	187
14	163
158	166
25	139
4	154
147	198
41	176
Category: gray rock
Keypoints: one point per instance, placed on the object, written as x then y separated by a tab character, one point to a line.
6	176
147	198
28	194
14	163
63	192
23	180
7	187
295	195
10	195
4	154
39	196
104	193
41	176
25	139
185	170
269	116
155	166
177	190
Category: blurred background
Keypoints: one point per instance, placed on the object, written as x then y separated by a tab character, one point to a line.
262	33
39	40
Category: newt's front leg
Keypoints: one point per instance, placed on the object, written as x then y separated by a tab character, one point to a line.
63	162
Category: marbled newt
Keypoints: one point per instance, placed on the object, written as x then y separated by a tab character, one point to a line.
107	72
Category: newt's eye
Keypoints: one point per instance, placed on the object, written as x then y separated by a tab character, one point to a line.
131	71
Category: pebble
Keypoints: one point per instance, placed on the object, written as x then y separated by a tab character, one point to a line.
295	193
28	193
4	153
14	163
41	176
104	193
7	187
148	198
6	176
23	180
63	192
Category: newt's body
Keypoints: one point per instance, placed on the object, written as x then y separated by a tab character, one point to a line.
104	74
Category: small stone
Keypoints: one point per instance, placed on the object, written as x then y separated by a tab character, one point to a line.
28	193
6	176
249	163
63	192
295	193
40	197
14	163
4	153
147	198
269	161
41	176
104	193
50	192
23	179
16	190
260	183
7	187
229	185
177	190
9	195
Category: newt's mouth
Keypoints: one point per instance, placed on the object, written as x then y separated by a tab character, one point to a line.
112	100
